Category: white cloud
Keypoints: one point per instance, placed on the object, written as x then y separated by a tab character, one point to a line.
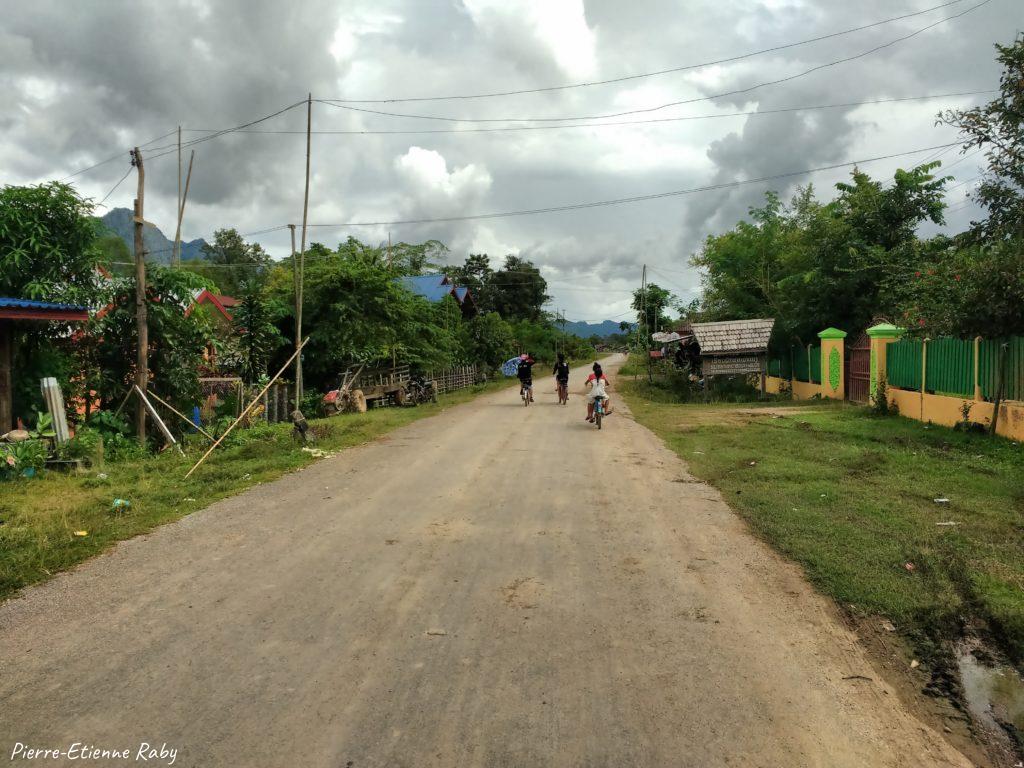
427	173
560	26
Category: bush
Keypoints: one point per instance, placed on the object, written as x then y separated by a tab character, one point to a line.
86	444
18	458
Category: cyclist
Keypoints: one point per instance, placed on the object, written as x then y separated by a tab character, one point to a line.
598	384
561	374
525	373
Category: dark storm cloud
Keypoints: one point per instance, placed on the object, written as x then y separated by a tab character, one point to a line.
83	81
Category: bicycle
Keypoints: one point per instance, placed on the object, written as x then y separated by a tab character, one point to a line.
563	392
598	410
526	392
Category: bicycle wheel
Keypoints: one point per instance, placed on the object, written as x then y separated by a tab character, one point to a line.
597	417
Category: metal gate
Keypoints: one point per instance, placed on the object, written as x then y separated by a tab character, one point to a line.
858	370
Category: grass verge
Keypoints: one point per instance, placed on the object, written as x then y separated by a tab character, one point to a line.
852	498
40	519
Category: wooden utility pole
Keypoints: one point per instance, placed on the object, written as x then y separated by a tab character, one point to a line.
141	322
302	252
182	200
176	251
298	315
647	330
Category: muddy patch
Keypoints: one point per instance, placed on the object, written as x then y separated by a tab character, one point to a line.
994	695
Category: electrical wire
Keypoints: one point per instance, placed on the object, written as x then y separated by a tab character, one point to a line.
514	128
172	148
636	199
106	196
115	157
641	75
645	110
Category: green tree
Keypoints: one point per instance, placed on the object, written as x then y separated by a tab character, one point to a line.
998	129
652	309
257	334
48	245
176	340
48	251
230	261
476	275
517	291
355	310
487	339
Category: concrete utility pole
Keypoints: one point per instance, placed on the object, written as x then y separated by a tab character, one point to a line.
302	252
141	321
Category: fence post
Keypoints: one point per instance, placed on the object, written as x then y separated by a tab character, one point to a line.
924	374
833	373
881	335
977	368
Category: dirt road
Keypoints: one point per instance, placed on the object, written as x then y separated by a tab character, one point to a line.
496	586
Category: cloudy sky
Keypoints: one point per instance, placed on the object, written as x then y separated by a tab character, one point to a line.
82	82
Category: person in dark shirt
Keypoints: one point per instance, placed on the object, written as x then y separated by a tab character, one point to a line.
525	374
561	374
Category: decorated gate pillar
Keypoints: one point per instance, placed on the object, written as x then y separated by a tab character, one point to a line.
882	335
833	372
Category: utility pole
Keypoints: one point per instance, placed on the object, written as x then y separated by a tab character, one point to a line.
176	252
182	199
302	252
141	321
647	332
298	312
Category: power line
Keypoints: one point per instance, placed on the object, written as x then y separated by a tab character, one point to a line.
101	202
111	159
615	123
641	75
340	105
171	149
636	199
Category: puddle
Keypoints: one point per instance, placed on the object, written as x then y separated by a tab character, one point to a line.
994	694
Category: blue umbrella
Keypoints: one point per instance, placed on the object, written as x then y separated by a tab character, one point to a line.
509	367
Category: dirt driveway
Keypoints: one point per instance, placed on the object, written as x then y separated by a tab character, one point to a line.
496	586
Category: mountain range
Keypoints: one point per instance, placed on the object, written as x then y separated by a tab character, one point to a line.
585	330
158	246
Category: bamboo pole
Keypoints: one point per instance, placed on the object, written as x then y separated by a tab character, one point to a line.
159	422
247	408
175	411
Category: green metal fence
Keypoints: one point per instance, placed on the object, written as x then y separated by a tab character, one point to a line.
780	367
801	364
949	368
989	358
814	363
903	364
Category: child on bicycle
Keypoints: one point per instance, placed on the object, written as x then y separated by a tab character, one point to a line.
598	384
561	374
525	373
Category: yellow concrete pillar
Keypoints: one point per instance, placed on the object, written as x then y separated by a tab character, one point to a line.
882	335
833	363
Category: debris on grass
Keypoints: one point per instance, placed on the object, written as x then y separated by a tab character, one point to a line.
81	533
942	500
888	626
948	523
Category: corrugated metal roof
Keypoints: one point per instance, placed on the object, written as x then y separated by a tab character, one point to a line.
430	287
733	335
30	304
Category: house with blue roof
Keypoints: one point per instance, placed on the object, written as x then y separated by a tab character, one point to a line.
436	287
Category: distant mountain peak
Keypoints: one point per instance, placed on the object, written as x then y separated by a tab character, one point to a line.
159	247
585	330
